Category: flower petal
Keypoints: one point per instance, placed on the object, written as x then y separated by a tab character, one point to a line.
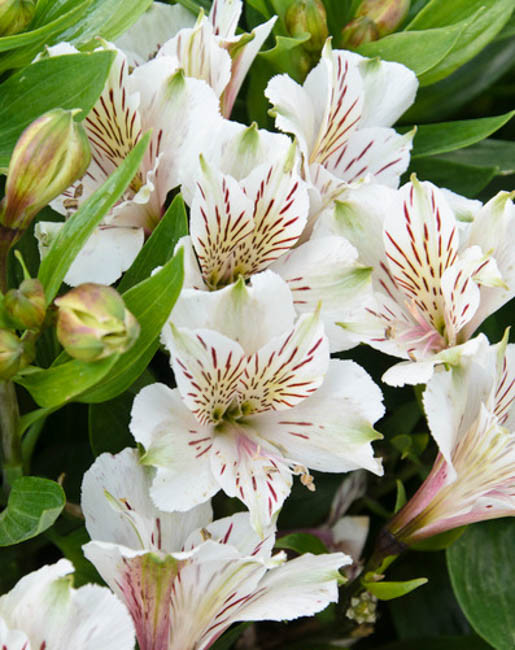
224	16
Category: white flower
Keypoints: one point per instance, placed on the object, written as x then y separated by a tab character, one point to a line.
43	610
257	400
181	112
435	279
186	580
471	415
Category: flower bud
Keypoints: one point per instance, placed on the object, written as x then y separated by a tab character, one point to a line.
26	306
308	16
359	31
12	354
15	15
386	14
93	322
50	155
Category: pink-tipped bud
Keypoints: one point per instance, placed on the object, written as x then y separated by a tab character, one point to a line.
50	155
93	322
15	15
26	305
15	354
308	16
386	14
359	31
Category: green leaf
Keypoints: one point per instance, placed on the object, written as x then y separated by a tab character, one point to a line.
420	51
55	386
390	590
75	232
498	154
484	19
439	643
482	574
70	546
468	180
71	81
302	543
229	638
400	498
159	248
431	139
288	56
439	542
151	302
33	506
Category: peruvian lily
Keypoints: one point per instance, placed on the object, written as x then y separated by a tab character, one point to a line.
180	112
257	400
341	118
435	279
471	415
208	49
43	610
247	215
184	579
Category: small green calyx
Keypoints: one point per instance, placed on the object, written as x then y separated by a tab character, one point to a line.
15	15
93	323
308	17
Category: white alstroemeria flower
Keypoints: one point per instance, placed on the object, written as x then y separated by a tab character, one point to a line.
43	611
186	580
341	118
435	279
244	224
471	415
207	49
257	401
180	112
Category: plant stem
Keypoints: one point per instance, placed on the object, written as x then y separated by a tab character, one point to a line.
11	447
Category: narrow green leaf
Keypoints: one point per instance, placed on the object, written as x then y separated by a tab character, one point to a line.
302	543
390	590
151	302
431	139
33	506
420	51
71	81
400	498
464	179
160	246
488	153
31	418
70	546
55	386
439	643
75	232
482	574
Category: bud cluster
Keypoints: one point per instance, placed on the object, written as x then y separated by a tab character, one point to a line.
373	20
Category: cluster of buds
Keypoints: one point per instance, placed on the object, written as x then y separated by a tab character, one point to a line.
94	323
15	352
373	20
363	608
308	17
15	15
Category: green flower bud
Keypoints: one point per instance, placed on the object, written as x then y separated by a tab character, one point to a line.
13	354
15	15
359	31
26	305
93	322
50	155
386	14
308	16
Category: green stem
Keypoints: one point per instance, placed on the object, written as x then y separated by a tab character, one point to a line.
11	447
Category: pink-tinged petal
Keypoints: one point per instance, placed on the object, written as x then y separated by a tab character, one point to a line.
237	532
243	51
117	507
325	270
200	55
221	220
250	314
280	210
177	445
421	242
504	399
207	367
153	28
375	152
301	587
493	230
286	370
389	89
332	430
253	474
224	16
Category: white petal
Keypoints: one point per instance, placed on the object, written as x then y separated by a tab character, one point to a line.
350	534
301	587
409	372
13	639
332	430
224	16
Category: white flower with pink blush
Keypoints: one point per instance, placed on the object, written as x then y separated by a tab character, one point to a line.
44	612
184	578
258	400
